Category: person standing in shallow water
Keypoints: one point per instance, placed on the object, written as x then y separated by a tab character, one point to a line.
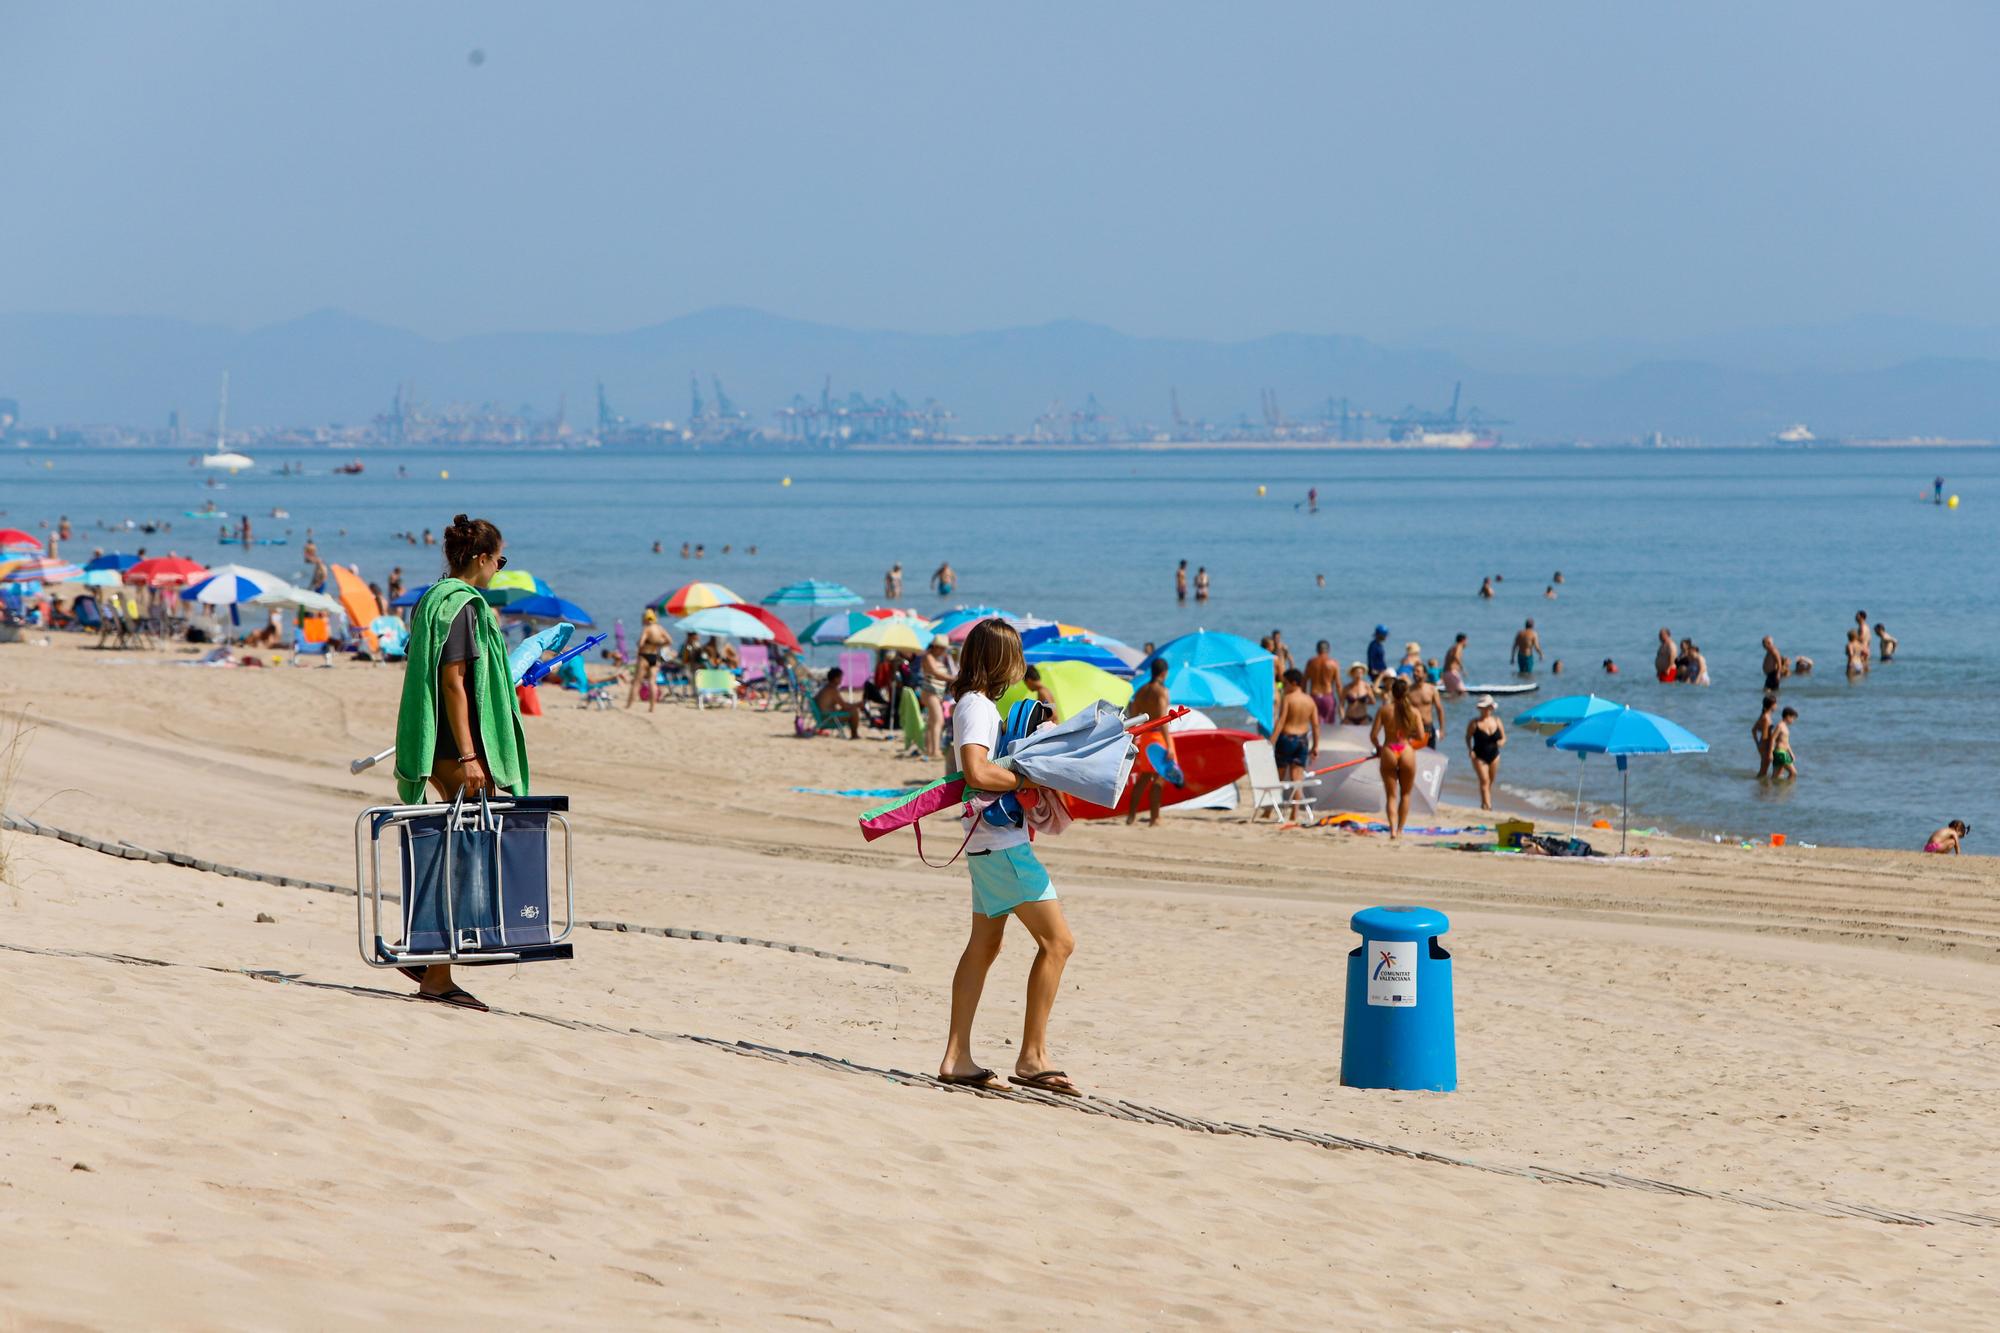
1201	584
1181	582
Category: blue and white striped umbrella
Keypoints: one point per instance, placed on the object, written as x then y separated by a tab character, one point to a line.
232	584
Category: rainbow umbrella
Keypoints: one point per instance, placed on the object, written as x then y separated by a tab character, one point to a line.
13	541
39	569
692	597
512	585
837	627
895	632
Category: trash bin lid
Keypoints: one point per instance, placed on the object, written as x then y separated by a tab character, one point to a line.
1400	923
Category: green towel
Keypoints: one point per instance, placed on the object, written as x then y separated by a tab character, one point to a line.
499	719
911	719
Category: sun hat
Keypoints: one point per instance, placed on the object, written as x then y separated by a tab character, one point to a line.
1413	647
1355	666
1485	701
651	615
940	641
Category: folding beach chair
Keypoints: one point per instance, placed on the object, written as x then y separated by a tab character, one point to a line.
1270	792
755	672
857	668
312	638
714	685
475	883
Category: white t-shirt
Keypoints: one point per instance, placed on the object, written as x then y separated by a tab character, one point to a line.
975	721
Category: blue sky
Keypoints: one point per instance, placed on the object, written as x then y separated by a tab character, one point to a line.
1545	171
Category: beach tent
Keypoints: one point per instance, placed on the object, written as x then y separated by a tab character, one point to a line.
1074	686
1209	669
1623	732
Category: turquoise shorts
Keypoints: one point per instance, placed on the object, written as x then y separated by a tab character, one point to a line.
1006	877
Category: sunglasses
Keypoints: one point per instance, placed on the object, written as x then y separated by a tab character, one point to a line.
502	564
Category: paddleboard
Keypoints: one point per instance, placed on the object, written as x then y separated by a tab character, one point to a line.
1528	687
259	541
1208	759
205	513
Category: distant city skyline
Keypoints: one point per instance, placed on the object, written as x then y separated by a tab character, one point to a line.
1438	176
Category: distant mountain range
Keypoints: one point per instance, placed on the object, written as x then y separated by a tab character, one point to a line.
1880	378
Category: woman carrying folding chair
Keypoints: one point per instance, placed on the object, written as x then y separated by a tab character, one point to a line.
459	728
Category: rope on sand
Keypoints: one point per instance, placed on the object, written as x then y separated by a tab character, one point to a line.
1116	1110
133	852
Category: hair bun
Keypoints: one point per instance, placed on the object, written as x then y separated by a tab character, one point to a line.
461	521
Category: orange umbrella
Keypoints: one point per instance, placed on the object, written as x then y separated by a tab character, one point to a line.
356	600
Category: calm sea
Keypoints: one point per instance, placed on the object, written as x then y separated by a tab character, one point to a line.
1723	547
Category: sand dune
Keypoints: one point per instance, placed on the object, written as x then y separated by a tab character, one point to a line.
1807	1025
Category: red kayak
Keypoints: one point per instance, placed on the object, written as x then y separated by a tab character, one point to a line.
1208	759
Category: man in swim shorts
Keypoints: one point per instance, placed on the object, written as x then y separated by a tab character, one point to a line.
1323	682
1784	764
1295	738
1151	701
1663	656
1775	667
1527	647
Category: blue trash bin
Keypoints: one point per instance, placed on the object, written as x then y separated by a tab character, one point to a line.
1398	1032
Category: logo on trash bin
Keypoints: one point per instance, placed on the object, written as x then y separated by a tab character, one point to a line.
1393	979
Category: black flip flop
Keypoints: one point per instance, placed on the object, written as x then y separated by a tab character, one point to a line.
456	998
978	1078
1046	1082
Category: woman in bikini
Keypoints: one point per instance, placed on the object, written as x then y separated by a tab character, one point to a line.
1485	737
1398	733
1357	701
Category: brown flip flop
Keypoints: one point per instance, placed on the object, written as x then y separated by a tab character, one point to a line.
1047	1081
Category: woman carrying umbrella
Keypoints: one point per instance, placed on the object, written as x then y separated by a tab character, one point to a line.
1007	879
460	723
1398	734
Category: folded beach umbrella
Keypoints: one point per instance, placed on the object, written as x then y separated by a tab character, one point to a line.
1214	658
1569	708
162	571
813	592
1077	649
544	606
113	560
1622	732
781	633
726	622
1074	686
896	632
1089	756
691	597
13	541
836	627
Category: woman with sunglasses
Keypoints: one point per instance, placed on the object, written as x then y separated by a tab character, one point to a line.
459	729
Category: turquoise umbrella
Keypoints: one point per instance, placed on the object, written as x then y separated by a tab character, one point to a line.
1570	708
813	592
836	628
1622	732
1216	666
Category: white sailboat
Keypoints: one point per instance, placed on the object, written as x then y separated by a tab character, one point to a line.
224	458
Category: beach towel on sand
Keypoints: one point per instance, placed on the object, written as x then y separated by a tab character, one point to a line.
499	716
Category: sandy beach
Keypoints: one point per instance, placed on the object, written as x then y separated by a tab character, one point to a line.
1802	1040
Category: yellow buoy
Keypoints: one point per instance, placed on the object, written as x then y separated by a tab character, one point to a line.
1260	490
786	482
444	475
1951	503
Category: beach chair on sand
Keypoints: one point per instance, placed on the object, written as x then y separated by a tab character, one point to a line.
1270	792
713	685
475	883
755	673
312	638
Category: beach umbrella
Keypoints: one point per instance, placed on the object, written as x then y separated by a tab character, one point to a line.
894	613
896	632
230	584
1207	660
1025	624
1077	649
691	597
512	585
836	627
781	633
545	606
813	592
1040	631
162	571
13	541
101	578
726	621
39	569
1623	732
117	561
305	599
966	615
1074	686
1118	648
1569	708
411	596
1087	755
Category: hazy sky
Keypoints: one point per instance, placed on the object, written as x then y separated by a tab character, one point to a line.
1227	170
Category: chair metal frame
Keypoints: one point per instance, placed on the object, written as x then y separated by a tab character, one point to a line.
377	952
